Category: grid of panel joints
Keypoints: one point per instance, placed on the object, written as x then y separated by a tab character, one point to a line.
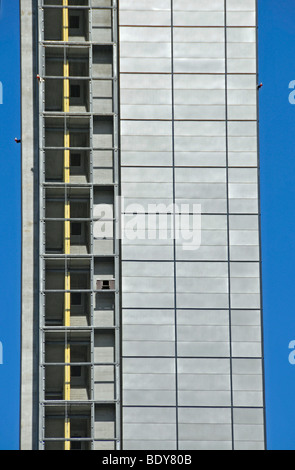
245	324
80	140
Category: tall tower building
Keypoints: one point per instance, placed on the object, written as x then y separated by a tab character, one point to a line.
141	305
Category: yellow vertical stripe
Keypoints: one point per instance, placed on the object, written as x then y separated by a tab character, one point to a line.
67	241
66	86
65	20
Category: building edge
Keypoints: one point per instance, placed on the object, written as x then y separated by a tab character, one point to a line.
29	351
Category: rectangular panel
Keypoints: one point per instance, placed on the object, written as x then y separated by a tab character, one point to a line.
144	34
192	35
201	5
145	49
199	50
236	5
206	341
145	5
198	18
204	382
249	428
247	382
241	18
145	17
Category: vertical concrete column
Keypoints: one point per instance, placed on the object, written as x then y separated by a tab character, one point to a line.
27	333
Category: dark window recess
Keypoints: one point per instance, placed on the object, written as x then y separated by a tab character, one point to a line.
76	229
76	445
75	91
74	22
76	371
76	299
105	285
75	159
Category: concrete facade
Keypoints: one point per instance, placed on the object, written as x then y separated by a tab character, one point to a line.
192	345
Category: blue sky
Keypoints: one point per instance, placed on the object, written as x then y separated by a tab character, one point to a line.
277	160
10	234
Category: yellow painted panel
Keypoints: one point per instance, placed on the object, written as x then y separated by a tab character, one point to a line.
67	242
65	20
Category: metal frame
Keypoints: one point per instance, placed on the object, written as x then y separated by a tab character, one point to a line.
65	405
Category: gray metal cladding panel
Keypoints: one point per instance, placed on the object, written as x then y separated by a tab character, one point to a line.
153	159
155	269
202	270
199	285
237	159
245	50
149	191
207	318
155	415
147	82
205	65
204	398
201	5
146	112
207	82
147	284
208	367
149	332
204	382
145	5
242	112
146	175
186	112
139	143
190	250
197	159
207	432
198	18
241	18
198	333
199	97
150	128
242	97
145	49
145	18
143	96
203	349
187	190
201	301
140	381
199	50
150	300
147	398
200	175
148	317
148	348
236	5
144	34
241	35
147	252
151	431
243	205
196	35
